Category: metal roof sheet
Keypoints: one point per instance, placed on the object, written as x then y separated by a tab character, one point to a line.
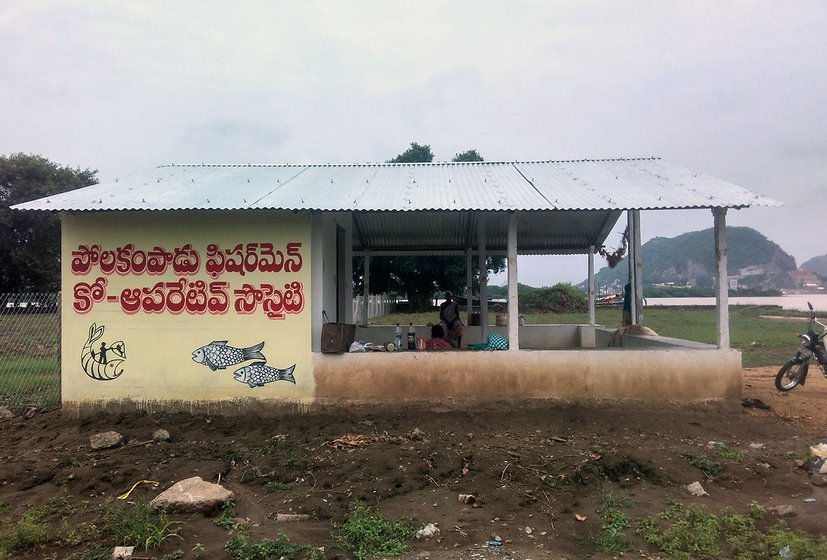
619	184
430	208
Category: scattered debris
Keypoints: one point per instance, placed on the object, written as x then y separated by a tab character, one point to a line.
579	517
809	500
469	499
351	441
755	403
125	496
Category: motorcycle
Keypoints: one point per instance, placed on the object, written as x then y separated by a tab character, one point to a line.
794	371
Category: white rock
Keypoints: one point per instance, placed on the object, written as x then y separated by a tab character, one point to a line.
430	530
105	440
696	489
5	413
122	552
192	495
160	435
819	450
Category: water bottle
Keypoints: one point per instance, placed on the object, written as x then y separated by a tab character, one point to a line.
397	339
411	337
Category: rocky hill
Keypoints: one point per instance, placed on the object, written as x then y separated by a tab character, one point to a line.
753	261
817	265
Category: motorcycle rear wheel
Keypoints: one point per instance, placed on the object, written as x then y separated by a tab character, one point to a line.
791	374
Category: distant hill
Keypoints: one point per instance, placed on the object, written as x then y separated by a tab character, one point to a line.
753	261
817	265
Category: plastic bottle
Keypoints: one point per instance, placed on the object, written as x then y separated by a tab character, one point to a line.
397	339
411	337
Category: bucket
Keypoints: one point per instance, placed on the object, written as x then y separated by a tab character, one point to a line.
502	319
474	319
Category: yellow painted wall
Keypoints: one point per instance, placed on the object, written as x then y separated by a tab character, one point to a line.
152	339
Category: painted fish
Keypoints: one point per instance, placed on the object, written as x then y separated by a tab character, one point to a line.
217	355
259	373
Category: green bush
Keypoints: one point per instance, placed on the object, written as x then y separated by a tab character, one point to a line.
560	298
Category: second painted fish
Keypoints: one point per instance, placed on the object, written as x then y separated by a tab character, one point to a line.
259	374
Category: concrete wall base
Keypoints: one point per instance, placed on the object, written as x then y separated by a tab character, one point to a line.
668	375
458	379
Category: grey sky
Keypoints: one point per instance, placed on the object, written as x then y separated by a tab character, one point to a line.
737	90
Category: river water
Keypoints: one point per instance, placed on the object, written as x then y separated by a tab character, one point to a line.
797	302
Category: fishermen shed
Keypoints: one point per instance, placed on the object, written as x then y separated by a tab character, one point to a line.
204	286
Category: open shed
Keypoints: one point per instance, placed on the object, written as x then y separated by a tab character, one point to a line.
205	285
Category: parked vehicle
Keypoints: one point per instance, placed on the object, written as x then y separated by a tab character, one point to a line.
794	372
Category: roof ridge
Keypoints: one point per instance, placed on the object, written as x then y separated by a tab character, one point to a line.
408	164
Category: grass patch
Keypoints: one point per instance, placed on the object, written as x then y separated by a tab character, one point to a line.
366	533
709	467
691	532
274	486
612	537
41	525
241	547
725	452
136	524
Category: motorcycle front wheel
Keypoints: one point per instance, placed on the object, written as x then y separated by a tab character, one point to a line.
791	374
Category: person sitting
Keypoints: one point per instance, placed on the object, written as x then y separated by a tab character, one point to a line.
437	340
449	317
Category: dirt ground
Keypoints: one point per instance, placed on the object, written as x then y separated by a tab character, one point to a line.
537	472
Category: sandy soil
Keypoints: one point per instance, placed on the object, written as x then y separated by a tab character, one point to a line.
533	469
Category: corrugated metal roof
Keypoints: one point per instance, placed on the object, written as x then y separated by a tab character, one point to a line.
564	206
481	186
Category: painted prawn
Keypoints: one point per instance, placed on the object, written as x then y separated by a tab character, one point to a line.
107	363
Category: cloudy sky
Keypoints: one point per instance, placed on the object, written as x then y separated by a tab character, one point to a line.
737	90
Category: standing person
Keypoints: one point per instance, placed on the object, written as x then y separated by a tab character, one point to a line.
627	305
449	316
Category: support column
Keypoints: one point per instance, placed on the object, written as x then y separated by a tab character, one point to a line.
635	267
483	278
366	290
721	284
592	318
469	285
513	307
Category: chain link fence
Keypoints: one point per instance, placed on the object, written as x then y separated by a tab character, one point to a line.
29	350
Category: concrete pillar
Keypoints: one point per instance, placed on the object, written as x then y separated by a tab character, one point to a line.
592	318
366	290
721	284
635	267
483	278
513	307
469	285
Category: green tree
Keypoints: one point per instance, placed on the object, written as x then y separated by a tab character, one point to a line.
30	241
420	277
468	155
416	153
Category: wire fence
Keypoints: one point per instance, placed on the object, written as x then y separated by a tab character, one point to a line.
29	350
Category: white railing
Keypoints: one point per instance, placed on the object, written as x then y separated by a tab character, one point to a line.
378	305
